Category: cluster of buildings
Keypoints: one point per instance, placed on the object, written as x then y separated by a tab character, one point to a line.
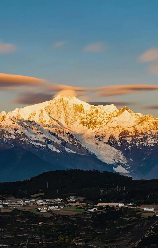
13	203
45	205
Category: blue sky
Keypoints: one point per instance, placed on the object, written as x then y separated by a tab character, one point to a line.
86	43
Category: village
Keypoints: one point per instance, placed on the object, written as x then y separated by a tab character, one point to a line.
70	205
74	220
47	213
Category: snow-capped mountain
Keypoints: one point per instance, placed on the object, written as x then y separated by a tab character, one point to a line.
68	133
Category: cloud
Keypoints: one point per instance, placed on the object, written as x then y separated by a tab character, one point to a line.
47	90
9	81
154	68
94	47
61	87
84	98
33	98
83	93
7	48
151	107
149	56
71	93
123	89
59	44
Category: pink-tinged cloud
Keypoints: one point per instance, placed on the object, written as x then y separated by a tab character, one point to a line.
95	47
123	89
78	92
70	93
7	48
152	107
154	68
9	81
32	98
82	93
61	87
149	56
59	44
47	90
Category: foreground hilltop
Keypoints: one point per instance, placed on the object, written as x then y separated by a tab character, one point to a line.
93	185
68	133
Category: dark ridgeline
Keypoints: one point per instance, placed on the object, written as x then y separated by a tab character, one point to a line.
94	185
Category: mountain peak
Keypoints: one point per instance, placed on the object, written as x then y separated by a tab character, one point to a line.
66	127
125	109
80	116
68	99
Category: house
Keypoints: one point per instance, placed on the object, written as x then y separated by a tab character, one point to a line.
105	204
27	202
40	202
121	205
53	208
42	210
149	209
13	203
72	199
92	209
130	204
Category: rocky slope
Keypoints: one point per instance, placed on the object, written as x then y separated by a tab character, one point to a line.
68	133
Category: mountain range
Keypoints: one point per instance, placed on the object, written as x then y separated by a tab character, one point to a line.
67	133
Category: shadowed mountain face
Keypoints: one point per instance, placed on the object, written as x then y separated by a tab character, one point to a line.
19	164
67	133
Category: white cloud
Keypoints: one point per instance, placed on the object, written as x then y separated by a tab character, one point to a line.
7	47
149	56
59	44
95	47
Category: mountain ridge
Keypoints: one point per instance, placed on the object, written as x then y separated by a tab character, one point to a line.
42	112
67	127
